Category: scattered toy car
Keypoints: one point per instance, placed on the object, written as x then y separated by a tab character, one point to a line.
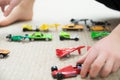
43	27
65	52
65	72
16	38
4	53
40	36
67	36
99	26
27	27
75	25
99	35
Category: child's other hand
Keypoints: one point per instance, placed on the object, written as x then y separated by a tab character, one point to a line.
103	58
11	3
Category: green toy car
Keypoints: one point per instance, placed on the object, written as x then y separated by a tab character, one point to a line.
67	36
39	36
16	38
99	35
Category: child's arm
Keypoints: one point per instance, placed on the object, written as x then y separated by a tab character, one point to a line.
104	57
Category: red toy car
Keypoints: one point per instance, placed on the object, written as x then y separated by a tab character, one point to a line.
66	72
66	51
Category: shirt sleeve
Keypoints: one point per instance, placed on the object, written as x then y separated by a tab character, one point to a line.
113	4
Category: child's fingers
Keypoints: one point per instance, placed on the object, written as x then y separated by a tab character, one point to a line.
3	8
82	59
107	68
116	66
9	9
88	61
97	65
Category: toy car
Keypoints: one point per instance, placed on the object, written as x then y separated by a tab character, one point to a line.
65	72
4	53
27	27
39	36
67	36
65	52
99	35
16	38
43	27
99	26
75	25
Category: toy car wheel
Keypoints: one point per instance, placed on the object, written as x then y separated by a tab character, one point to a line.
68	55
80	29
47	39
53	68
9	36
31	39
64	29
61	38
24	29
1	56
76	39
37	30
79	66
59	76
99	38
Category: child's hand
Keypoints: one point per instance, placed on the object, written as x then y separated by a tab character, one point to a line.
11	3
104	57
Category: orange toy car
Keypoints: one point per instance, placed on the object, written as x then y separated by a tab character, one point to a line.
4	53
75	25
99	26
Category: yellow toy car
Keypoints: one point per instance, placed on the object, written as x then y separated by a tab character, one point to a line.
4	53
27	27
43	27
72	27
75	25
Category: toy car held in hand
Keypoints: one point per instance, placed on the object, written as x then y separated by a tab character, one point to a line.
65	52
67	36
65	72
40	36
4	53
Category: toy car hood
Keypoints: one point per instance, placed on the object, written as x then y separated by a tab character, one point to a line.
3	51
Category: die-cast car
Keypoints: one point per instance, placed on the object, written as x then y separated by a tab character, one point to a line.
16	37
4	53
65	72
65	52
99	26
27	27
40	36
66	36
74	25
43	27
99	35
